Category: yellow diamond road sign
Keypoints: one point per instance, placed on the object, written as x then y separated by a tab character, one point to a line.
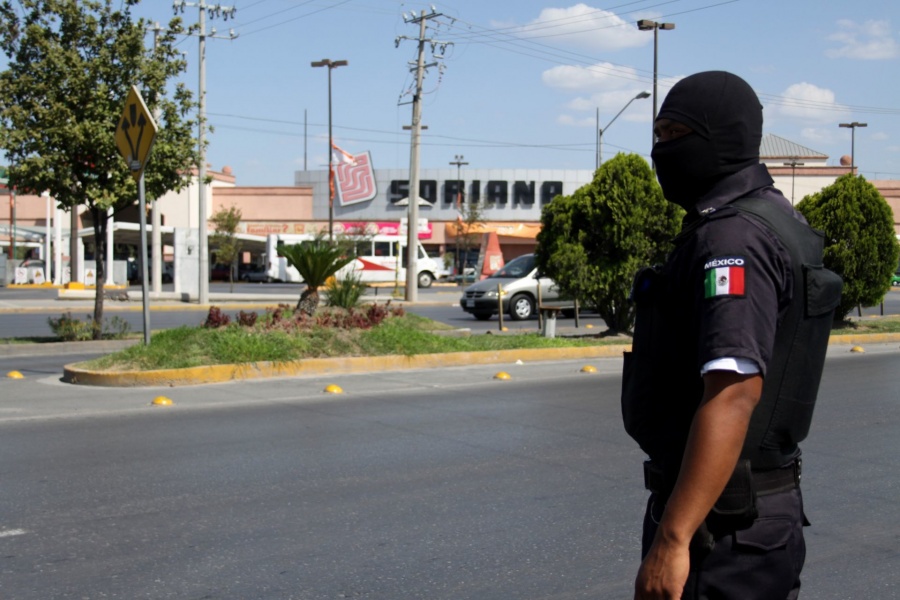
135	133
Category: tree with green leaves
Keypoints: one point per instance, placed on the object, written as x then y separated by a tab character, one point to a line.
70	67
860	243
466	229
593	242
316	261
224	241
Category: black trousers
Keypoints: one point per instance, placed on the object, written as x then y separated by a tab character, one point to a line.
762	562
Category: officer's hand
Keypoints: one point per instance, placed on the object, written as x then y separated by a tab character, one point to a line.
663	573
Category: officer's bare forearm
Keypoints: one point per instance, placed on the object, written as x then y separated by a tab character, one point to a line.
713	449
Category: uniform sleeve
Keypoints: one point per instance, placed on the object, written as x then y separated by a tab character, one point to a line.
743	284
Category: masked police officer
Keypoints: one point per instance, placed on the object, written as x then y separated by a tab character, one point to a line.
729	345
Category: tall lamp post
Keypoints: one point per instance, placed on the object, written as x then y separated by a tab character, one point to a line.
647	25
600	130
793	165
459	163
331	64
852	126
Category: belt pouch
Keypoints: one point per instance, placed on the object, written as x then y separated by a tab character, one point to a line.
737	504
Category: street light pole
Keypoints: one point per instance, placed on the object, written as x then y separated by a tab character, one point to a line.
459	163
600	130
793	165
331	64
647	25
852	126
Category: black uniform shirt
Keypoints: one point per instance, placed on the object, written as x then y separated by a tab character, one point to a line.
730	276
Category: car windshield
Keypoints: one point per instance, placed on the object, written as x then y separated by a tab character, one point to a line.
516	268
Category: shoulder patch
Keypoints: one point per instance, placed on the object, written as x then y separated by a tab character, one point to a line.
724	276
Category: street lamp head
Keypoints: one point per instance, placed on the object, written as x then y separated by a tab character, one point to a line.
647	25
642	95
854	124
327	62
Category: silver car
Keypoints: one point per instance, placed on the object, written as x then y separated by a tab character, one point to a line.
512	289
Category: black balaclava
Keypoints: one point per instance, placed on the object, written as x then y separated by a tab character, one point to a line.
726	118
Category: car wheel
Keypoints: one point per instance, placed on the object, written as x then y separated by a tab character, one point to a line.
521	307
482	316
425	279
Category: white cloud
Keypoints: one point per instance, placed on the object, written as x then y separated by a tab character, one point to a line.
602	76
879	136
871	40
806	102
819	135
586	27
567	120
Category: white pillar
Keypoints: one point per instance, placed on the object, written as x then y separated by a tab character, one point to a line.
110	225
57	247
48	263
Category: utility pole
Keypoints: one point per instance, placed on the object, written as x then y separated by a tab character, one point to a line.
412	229
213	11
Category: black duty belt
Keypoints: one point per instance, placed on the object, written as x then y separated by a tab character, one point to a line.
770	481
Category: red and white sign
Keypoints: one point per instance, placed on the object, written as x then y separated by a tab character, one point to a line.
355	180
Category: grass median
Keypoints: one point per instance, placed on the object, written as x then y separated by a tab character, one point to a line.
281	336
284	339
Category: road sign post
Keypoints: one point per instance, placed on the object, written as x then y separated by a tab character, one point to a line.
135	134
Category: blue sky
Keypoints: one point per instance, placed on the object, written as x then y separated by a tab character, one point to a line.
520	82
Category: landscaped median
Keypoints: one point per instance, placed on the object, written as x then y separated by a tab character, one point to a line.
281	344
335	344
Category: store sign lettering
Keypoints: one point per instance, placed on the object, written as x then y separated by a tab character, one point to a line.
518	193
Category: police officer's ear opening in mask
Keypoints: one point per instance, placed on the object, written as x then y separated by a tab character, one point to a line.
725	120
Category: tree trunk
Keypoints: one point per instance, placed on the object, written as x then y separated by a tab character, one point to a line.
309	301
100	224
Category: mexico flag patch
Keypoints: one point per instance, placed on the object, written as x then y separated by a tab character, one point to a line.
724	276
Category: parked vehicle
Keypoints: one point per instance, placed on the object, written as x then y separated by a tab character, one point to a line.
895	278
518	283
253	273
220	272
376	260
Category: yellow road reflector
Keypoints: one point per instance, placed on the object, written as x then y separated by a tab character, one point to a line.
857	349
162	401
15	375
588	369
333	389
502	375
589	326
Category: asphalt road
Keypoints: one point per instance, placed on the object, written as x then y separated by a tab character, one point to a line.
439	484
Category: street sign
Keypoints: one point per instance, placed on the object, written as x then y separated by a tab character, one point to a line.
135	133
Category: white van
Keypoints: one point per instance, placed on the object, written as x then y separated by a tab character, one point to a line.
376	260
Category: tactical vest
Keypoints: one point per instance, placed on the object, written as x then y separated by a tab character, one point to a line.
783	416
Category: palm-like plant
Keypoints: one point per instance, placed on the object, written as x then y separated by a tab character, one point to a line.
316	261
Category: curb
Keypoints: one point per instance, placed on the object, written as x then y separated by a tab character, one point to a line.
366	364
323	366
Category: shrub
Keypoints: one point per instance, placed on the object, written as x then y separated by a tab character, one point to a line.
246	319
344	293
70	329
216	318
